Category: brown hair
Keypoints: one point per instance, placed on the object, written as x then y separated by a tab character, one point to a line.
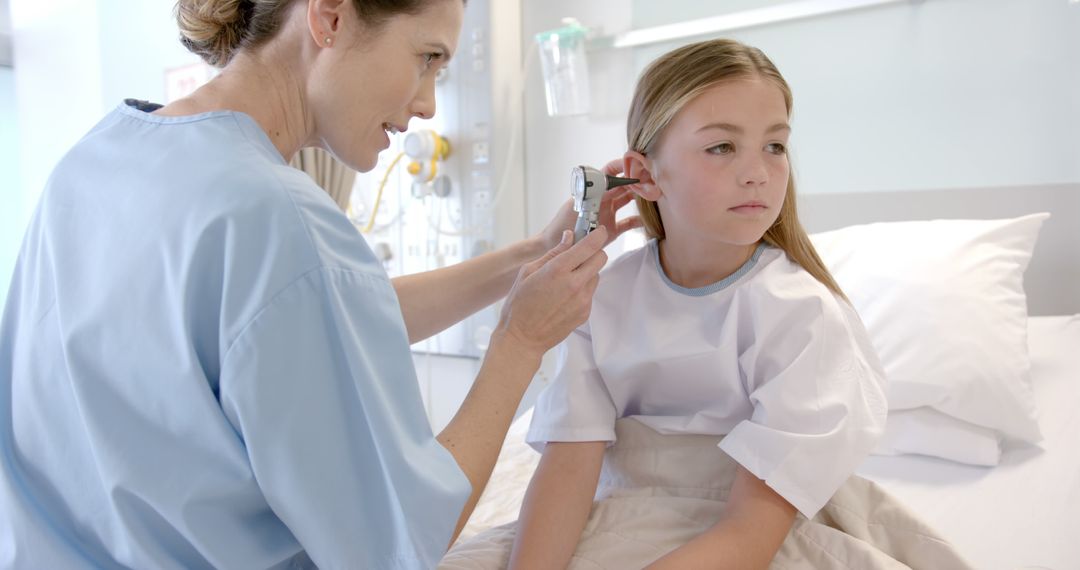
677	77
216	30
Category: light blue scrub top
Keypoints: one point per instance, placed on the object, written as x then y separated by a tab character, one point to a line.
202	364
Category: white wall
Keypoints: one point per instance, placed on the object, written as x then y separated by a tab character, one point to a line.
5	16
57	82
139	42
56	95
12	218
554	145
75	60
931	94
921	95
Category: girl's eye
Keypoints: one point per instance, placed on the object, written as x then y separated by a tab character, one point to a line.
777	148
432	57
722	148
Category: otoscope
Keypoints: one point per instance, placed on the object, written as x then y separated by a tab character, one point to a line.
588	186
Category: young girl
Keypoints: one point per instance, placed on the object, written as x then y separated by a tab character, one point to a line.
725	324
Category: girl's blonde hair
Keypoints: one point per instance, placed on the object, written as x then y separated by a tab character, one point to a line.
668	84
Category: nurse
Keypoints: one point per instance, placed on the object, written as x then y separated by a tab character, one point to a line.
202	364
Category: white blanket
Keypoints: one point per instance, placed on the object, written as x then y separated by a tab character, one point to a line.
657	492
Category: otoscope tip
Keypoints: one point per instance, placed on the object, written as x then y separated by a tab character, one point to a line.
615	181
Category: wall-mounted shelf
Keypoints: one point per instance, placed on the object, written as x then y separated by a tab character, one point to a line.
786	12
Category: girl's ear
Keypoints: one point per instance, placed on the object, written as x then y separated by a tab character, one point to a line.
635	165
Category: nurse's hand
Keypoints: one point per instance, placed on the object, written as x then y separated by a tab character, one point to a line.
550	298
611	203
552	295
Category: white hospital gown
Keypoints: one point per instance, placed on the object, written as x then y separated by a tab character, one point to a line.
203	365
768	356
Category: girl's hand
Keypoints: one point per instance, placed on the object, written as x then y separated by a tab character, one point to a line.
612	202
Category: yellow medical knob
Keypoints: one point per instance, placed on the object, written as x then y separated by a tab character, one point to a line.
442	148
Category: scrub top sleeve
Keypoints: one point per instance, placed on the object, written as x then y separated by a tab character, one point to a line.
576	406
321	390
818	402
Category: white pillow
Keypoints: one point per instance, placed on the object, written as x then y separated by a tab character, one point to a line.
925	431
944	304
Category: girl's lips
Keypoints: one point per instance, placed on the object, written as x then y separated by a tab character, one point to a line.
749	208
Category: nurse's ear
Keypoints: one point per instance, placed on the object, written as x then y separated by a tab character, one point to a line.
325	19
635	165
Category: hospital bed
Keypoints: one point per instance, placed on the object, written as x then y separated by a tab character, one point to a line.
1019	514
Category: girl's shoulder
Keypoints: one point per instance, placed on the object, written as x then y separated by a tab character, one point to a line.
780	285
630	261
623	271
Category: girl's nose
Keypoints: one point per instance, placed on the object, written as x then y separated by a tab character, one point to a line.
753	172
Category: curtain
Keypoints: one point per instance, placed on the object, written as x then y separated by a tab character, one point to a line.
331	175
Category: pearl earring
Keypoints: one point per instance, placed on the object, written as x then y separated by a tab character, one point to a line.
327	40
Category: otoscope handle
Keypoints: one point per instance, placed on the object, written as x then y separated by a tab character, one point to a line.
581	228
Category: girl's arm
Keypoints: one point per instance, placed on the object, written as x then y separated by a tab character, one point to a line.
753	527
557	505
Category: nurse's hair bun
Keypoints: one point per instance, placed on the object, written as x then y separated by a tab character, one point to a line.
214	29
217	30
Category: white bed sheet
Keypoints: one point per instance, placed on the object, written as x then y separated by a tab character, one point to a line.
1022	514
